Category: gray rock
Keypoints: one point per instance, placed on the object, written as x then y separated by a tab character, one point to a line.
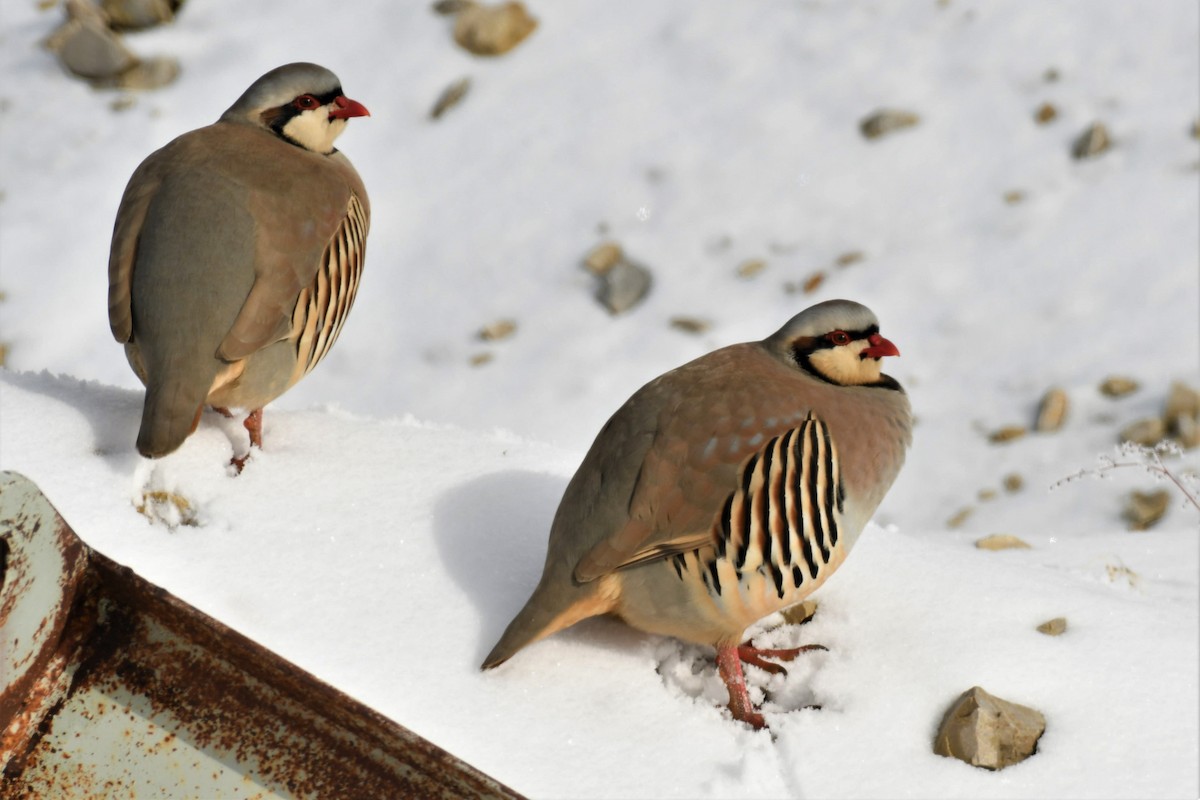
1092	142
623	286
87	47
986	731
451	96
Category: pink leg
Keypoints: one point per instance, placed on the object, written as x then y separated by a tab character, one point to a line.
729	665
253	425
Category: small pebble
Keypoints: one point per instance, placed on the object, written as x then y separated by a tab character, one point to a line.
1118	386
1007	434
1045	113
849	257
451	96
1053	627
690	324
1002	541
1013	482
885	121
1092	142
1146	432
751	268
1145	509
500	329
959	517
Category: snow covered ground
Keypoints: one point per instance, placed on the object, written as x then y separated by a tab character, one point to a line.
398	516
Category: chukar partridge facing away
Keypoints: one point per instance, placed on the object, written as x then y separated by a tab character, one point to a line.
236	255
726	490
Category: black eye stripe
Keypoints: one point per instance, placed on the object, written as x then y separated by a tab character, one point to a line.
825	342
322	99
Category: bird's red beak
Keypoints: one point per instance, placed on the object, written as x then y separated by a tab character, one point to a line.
346	108
879	348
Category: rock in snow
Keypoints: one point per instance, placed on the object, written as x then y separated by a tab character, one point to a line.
986	731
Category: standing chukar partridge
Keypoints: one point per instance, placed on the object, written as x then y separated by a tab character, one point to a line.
236	255
726	490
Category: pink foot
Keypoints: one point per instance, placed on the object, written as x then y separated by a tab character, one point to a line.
756	656
253	425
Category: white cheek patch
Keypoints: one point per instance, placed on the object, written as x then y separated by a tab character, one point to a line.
845	365
314	130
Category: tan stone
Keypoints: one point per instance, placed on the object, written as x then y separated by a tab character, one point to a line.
1145	509
1146	432
849	257
690	324
1002	541
800	613
1045	113
986	731
959	517
1013	482
1053	627
603	257
1007	434
1182	414
140	14
1052	411
492	30
1118	386
500	329
750	268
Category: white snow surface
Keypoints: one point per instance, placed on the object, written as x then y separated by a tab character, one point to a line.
397	518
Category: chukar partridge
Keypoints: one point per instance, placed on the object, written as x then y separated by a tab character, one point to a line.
236	255
727	489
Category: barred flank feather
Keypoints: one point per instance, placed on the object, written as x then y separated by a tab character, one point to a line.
782	521
323	306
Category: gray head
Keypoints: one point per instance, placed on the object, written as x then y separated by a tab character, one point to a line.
302	103
837	341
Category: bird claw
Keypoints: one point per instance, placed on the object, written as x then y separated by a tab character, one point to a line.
756	656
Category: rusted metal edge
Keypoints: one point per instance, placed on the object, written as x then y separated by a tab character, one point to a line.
152	656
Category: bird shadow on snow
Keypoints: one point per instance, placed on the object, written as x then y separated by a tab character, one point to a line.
113	414
491	534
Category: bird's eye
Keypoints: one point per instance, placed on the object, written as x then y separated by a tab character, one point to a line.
839	338
306	102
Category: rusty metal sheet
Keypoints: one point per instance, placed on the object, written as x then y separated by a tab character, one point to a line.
111	686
